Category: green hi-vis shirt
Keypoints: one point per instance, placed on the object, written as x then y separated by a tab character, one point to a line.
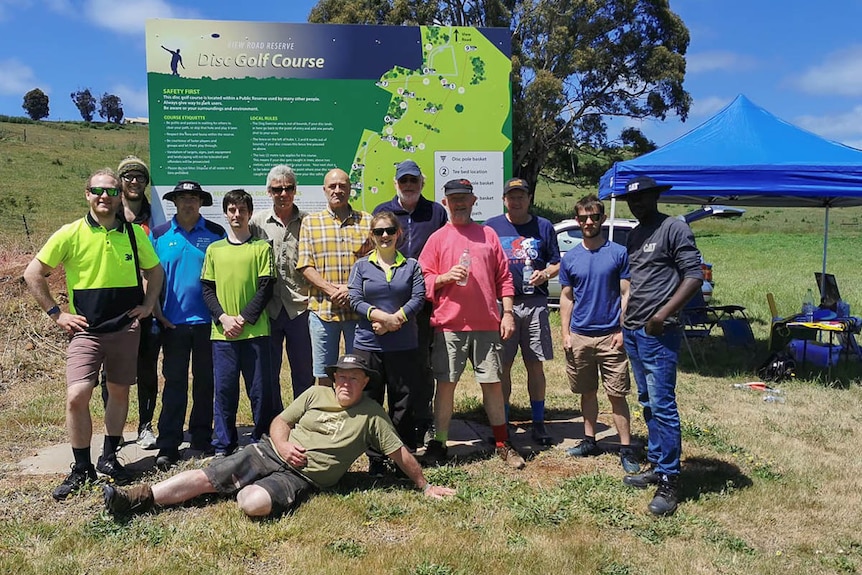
101	276
333	436
235	270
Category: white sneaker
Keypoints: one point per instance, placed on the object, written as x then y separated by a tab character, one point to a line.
146	438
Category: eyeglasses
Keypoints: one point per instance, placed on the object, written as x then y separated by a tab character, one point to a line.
140	178
582	219
112	192
280	189
392	230
408	180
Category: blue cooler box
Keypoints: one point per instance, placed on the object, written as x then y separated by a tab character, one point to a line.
819	354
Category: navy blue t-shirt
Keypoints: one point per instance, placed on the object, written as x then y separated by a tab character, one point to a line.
594	276
535	240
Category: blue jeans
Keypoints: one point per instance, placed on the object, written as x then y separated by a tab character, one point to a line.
183	343
293	335
325	336
653	362
251	358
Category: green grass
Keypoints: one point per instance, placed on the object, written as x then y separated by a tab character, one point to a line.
766	488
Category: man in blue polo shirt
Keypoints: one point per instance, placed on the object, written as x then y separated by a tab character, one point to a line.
419	217
180	245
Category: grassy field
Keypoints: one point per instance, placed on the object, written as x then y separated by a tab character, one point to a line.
767	488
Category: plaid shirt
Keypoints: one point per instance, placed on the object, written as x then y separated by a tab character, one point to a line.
332	247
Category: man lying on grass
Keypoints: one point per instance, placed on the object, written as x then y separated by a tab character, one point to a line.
311	445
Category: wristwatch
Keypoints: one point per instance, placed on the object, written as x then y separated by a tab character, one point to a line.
53	310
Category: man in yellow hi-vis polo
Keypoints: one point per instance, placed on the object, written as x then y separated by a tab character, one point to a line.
102	256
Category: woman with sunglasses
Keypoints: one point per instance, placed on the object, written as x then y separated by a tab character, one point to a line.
386	290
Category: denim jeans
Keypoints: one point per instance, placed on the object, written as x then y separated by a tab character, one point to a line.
325	336
653	363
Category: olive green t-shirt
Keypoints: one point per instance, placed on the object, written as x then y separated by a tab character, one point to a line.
334	436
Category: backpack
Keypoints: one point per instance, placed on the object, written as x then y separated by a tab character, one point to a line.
778	367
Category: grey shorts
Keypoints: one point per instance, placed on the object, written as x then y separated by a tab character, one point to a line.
532	332
452	349
117	351
258	464
591	356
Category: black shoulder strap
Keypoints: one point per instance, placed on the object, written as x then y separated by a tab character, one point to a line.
130	230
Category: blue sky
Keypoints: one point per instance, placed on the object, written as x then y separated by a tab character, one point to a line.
802	61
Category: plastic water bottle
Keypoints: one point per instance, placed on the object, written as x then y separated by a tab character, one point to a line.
843	309
808	306
526	287
774	398
464	261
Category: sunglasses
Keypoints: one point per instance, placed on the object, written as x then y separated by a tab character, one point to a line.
128	178
112	192
408	180
583	218
280	189
380	231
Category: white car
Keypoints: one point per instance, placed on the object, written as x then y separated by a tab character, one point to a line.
569	236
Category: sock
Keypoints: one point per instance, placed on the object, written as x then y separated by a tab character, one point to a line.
442	437
111	445
506	408
82	456
589	439
501	434
538	409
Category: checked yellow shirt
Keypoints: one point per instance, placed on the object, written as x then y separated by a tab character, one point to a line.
332	246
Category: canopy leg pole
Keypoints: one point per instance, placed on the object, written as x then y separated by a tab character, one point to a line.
613	215
825	245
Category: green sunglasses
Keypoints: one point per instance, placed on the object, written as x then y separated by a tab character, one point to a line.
112	192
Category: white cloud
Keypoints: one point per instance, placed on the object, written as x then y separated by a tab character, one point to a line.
708	106
134	100
16	78
717	61
844	127
840	73
129	16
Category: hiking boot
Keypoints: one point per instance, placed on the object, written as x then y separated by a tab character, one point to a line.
629	460
665	500
376	467
146	437
114	469
81	474
642	480
436	454
586	448
137	499
167	458
541	435
508	454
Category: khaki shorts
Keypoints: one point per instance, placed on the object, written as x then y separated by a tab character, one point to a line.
452	349
532	333
590	356
118	351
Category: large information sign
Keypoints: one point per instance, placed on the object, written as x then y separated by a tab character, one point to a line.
229	100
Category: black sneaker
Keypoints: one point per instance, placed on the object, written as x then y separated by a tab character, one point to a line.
167	458
642	480
665	500
628	460
436	454
376	467
137	499
585	448
80	475
205	448
114	469
541	435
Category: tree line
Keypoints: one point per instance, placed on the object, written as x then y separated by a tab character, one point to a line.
36	104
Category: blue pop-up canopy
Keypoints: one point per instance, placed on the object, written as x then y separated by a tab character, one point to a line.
746	156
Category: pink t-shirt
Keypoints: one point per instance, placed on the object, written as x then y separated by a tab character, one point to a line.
472	307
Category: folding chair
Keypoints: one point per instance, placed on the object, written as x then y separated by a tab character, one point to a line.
698	319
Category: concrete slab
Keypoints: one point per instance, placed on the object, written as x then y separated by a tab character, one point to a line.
466	439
